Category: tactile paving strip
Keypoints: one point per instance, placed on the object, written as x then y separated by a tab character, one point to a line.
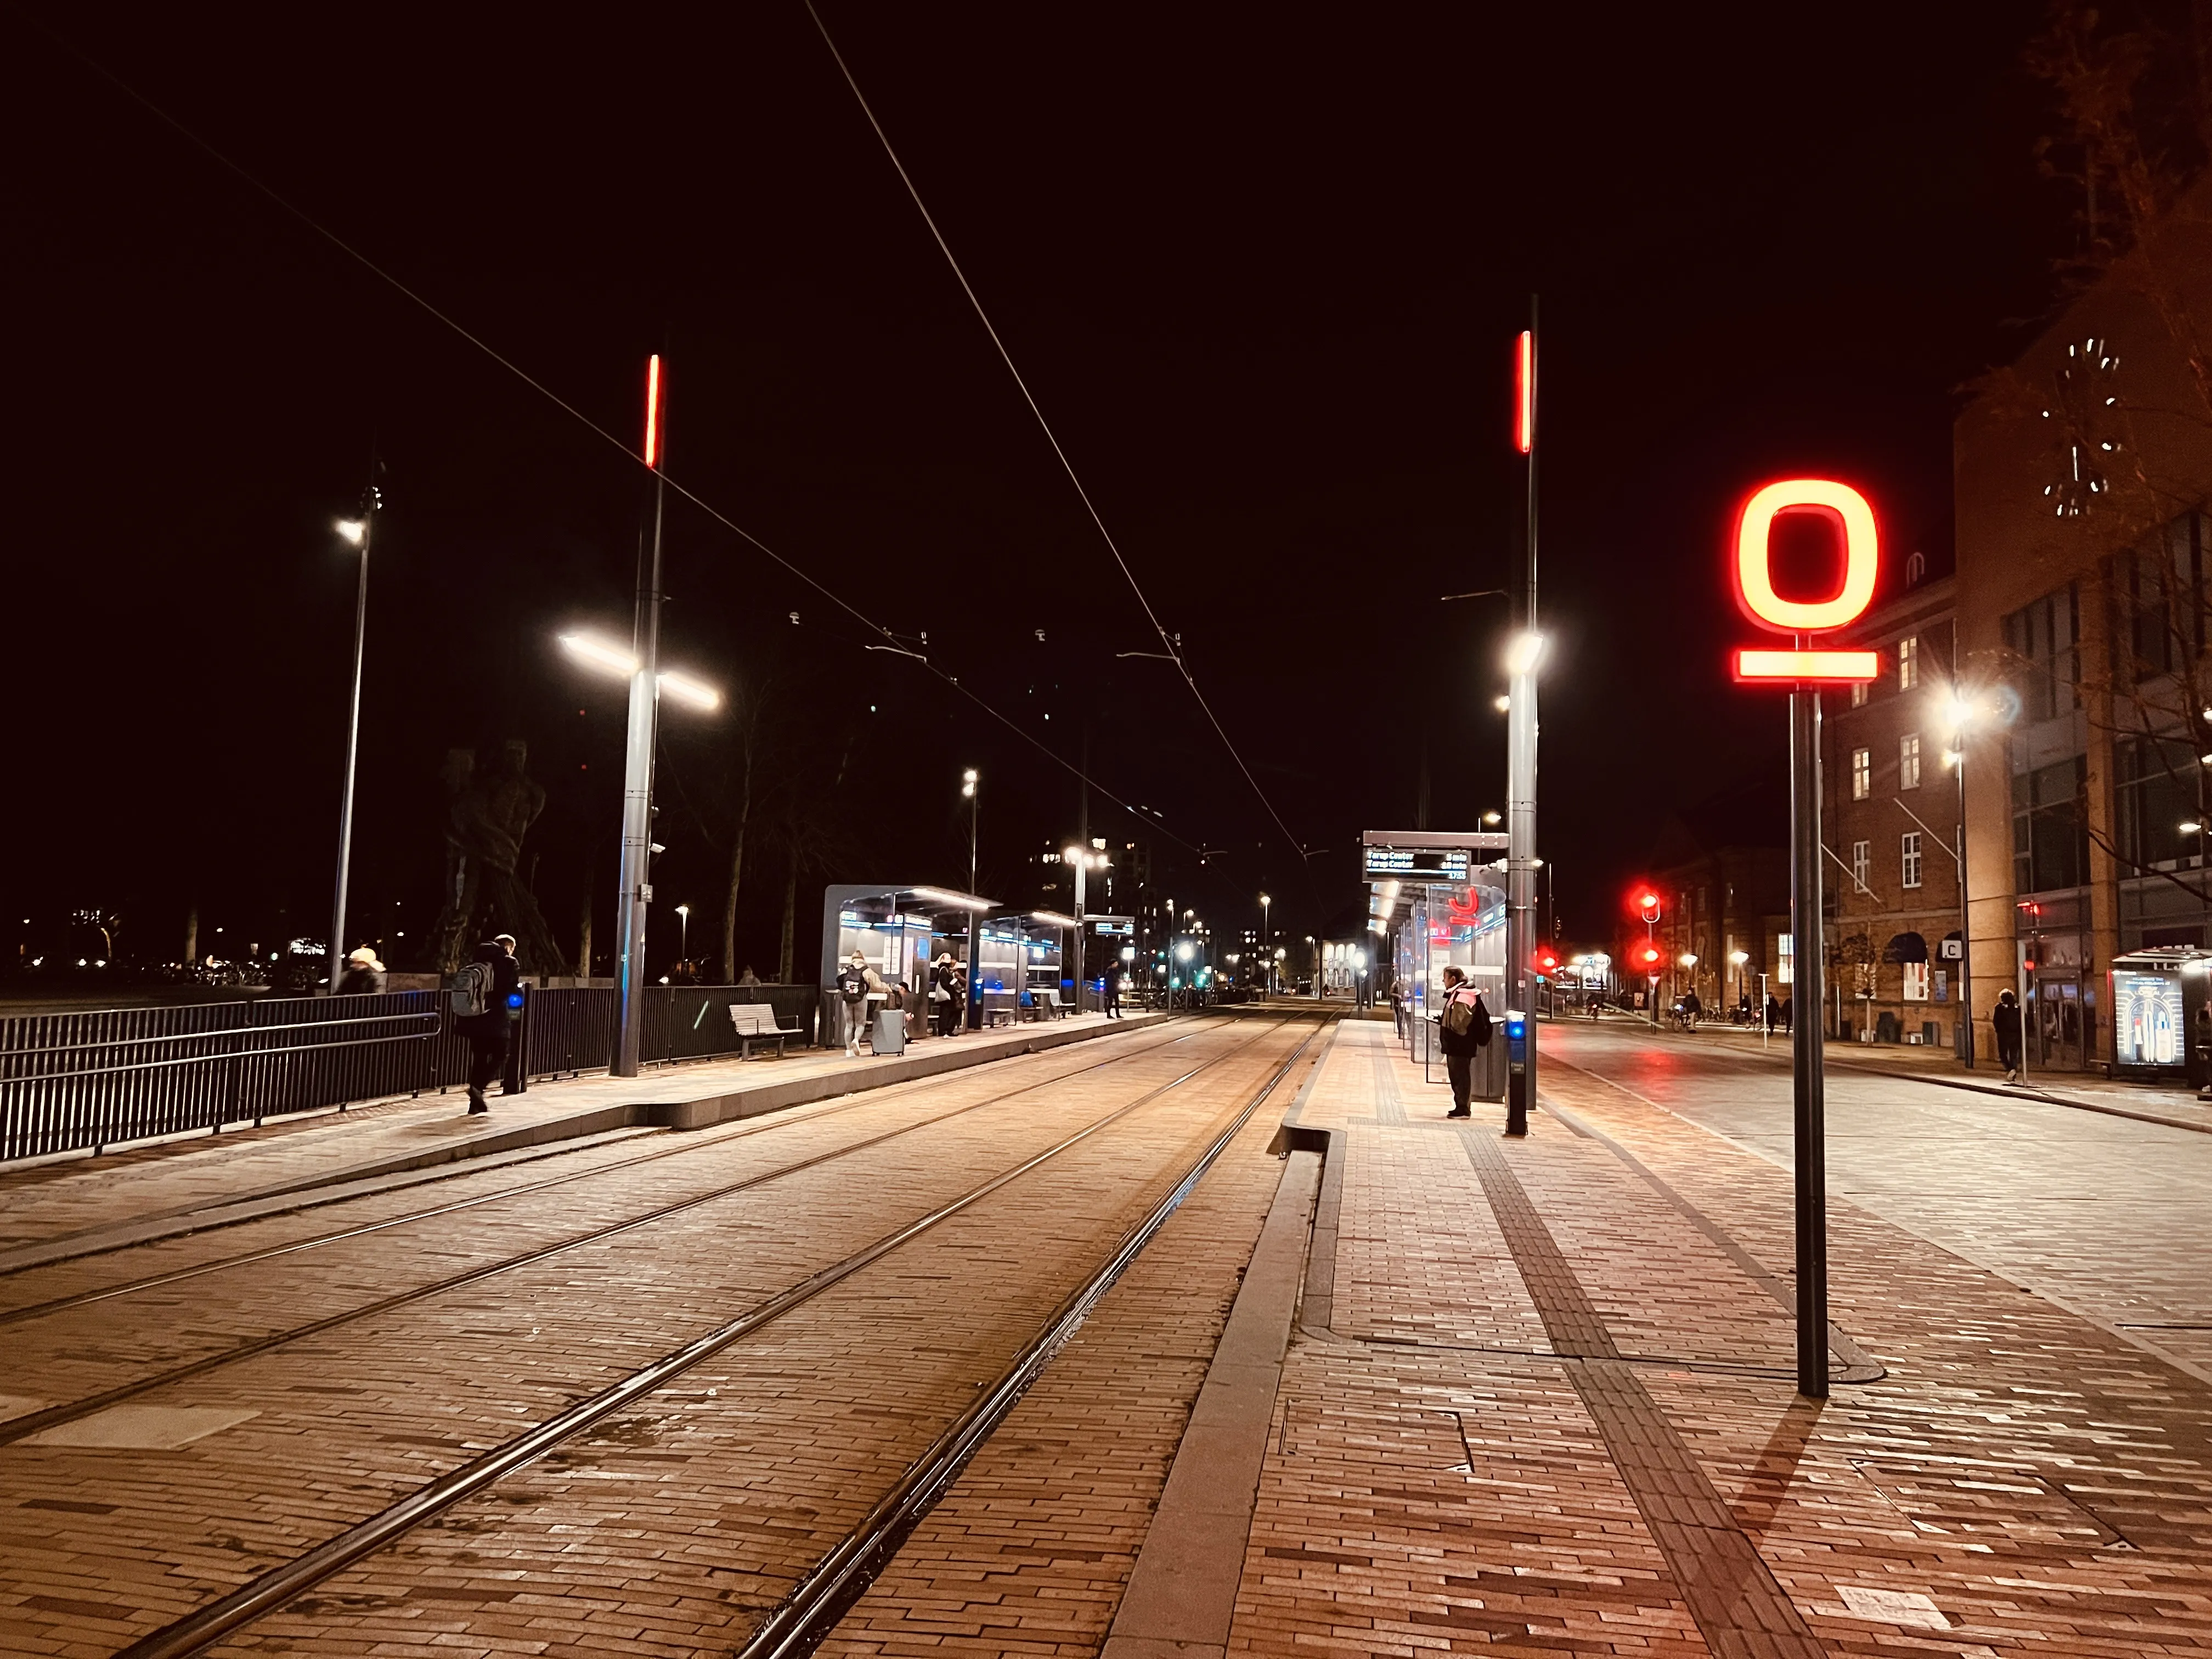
1740	1608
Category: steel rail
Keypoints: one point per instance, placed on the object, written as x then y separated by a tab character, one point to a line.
30	1423
270	1590
804	1618
318	1197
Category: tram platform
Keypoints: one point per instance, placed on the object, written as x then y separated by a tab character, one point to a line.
1376	1383
54	1210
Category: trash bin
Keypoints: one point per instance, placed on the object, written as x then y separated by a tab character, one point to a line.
889	1032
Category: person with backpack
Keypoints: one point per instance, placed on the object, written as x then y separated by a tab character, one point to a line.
478	997
1464	1024
857	983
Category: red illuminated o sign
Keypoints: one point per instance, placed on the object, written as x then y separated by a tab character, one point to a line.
1754	582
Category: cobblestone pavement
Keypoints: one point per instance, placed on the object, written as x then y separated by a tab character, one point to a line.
1601	1451
667	1528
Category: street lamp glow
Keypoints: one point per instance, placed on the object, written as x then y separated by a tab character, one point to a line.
586	648
1501	703
352	530
1525	652
1184	951
2192	829
614	659
1689	958
1739	957
694	693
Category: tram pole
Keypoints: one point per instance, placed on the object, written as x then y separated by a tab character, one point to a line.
1521	775
635	898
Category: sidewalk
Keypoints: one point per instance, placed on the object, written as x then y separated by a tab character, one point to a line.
48	1209
1541	1401
2160	1103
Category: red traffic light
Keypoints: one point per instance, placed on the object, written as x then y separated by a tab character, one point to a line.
1648	955
1546	961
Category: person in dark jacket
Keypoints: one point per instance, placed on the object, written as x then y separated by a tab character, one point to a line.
489	1033
1109	991
1460	1048
1773	1012
363	976
948	993
2004	1019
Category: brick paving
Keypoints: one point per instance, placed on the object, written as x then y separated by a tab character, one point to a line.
735	1477
1549	1412
46	1200
2020	1481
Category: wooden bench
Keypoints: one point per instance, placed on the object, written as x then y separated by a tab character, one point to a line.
754	1022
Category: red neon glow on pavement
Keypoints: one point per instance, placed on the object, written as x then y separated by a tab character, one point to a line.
1525	408
1754	574
1808	665
653	411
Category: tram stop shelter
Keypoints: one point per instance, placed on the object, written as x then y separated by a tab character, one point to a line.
899	931
2160	1025
1437	899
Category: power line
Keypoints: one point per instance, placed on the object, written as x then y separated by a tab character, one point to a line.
1149	820
1174	650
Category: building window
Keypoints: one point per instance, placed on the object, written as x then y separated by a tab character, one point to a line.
1916	981
2159	588
1908	760
2044	640
2049	836
1861	861
1908	663
2154	794
1858	694
1862	774
1785	958
1910	844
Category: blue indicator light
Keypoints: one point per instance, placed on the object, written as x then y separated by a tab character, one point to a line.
515	999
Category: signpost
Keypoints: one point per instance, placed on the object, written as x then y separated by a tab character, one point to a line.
1805	667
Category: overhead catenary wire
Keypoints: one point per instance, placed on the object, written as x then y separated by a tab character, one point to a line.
1171	643
64	44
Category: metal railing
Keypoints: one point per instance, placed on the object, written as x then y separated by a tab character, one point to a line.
96	1078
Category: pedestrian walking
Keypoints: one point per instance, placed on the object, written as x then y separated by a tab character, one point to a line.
1463	1029
1109	990
478	996
1789	1014
1774	1012
2004	1020
947	994
1398	1008
363	977
1693	1009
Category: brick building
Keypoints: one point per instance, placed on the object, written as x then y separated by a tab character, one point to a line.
1722	875
1890	818
2080	477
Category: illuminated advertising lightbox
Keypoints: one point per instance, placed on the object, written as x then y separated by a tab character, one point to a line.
2147	1019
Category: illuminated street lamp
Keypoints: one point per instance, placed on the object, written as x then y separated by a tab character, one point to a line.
683	932
1267	927
1957	714
1085	860
971	791
355	533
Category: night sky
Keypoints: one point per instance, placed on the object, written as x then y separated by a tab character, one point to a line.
1262	270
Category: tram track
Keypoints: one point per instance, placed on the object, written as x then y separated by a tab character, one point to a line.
22	1426
691	1143
797	1622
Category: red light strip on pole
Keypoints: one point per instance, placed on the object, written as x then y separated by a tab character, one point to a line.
1524	409
1808	665
653	411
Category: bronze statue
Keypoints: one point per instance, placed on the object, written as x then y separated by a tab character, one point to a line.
489	814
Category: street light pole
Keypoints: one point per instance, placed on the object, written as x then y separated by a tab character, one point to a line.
683	932
1520	767
971	785
1806	997
360	533
636	893
1267	950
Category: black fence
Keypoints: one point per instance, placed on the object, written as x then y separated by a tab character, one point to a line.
73	1080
